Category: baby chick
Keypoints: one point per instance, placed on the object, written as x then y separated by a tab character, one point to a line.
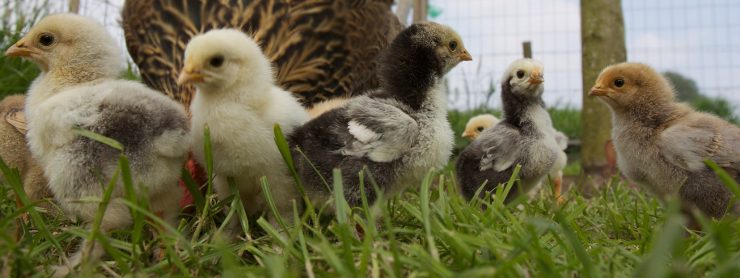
525	136
661	144
398	132
78	88
482	122
14	150
477	124
238	100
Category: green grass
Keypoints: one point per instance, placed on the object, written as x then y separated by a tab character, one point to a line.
427	231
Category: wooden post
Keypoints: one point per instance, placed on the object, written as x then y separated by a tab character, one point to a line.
403	8
420	10
74	6
527	49
602	44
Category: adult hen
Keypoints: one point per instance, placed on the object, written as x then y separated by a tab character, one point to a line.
662	144
79	88
399	132
321	49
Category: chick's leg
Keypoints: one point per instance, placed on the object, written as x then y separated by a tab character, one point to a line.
558	187
116	216
166	206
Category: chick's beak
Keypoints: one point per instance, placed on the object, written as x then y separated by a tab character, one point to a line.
189	75
536	77
19	49
465	56
468	135
598	91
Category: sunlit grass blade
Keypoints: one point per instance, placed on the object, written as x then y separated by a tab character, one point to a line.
99	138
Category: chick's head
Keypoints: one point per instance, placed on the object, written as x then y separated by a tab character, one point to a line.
526	77
478	124
70	45
629	84
222	59
443	40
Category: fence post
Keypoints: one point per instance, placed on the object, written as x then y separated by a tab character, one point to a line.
74	6
602	44
420	10
527	49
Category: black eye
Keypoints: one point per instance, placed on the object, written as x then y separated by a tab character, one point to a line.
46	39
619	83
520	74
217	61
480	128
453	45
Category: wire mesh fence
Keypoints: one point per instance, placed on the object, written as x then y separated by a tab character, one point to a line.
697	39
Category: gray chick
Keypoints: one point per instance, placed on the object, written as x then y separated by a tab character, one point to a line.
78	88
662	144
398	132
524	136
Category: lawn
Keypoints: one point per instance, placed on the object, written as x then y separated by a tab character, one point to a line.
427	231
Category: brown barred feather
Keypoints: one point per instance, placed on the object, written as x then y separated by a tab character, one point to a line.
321	49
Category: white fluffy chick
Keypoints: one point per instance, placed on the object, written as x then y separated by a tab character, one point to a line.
477	124
238	100
78	88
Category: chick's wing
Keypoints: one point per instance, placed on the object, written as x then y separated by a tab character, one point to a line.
380	131
500	147
688	144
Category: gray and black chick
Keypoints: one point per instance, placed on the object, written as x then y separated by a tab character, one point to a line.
399	132
524	136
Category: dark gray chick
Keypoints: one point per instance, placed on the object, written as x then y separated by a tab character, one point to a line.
398	132
524	136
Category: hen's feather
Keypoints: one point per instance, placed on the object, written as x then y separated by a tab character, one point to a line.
321	49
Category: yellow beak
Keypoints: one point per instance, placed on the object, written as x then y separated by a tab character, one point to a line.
190	75
465	56
469	135
536	77
598	91
19	49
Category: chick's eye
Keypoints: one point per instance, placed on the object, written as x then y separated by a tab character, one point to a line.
453	45
480	128
520	74
619	83
46	39
217	61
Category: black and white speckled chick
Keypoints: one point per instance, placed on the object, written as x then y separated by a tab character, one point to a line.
78	88
399	131
662	144
524	136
